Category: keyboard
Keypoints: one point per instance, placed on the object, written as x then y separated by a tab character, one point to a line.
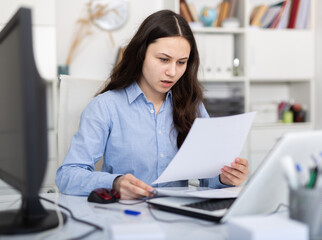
212	204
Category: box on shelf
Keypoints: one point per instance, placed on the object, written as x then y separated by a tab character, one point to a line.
266	112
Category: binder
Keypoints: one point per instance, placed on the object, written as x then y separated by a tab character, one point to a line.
216	56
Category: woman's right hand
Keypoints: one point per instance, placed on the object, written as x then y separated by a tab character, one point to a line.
130	187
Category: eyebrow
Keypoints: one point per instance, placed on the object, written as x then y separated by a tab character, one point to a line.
184	58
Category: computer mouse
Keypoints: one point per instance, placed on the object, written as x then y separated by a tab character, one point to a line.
103	195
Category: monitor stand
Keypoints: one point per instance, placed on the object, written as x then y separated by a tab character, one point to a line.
30	218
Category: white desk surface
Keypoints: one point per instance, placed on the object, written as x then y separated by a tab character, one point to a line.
106	218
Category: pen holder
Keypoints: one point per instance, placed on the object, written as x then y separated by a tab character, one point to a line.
306	207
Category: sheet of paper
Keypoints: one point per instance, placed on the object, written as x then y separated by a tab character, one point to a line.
211	144
231	192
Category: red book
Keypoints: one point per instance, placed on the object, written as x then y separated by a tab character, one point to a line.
293	15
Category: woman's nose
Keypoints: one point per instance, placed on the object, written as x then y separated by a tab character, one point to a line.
171	70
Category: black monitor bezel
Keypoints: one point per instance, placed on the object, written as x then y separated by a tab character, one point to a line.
34	106
32	216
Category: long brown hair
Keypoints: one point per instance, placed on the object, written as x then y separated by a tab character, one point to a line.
187	92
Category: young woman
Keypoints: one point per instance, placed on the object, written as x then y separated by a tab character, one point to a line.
141	118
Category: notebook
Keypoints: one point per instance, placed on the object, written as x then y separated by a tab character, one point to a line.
265	190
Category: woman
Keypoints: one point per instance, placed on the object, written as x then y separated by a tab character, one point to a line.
141	118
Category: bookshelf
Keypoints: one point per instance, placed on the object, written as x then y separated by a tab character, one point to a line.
276	65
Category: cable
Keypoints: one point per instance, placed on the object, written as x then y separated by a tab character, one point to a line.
96	227
138	202
278	207
179	220
59	216
167	221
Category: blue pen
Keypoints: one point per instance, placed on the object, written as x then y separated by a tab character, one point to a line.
126	211
303	175
132	212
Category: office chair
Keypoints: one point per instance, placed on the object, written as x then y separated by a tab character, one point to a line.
74	95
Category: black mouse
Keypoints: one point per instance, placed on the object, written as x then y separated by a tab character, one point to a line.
103	195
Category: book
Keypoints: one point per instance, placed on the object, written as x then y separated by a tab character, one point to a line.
279	15
303	15
232	8
270	15
293	14
218	11
193	12
184	11
285	16
258	14
223	13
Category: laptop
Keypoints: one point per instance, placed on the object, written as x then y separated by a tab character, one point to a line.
265	190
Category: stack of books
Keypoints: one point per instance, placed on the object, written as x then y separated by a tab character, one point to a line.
225	9
284	14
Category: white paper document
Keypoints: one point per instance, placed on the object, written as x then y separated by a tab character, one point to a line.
211	144
199	192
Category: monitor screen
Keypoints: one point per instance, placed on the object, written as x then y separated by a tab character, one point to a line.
23	127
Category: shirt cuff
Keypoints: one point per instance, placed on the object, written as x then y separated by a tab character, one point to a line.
107	180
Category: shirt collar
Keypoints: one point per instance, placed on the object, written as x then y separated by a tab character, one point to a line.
134	91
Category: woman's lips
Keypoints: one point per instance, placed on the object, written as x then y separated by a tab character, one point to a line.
166	83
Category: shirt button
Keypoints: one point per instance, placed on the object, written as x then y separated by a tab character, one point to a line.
161	155
151	111
159	131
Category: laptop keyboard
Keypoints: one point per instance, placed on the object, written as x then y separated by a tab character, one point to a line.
212	204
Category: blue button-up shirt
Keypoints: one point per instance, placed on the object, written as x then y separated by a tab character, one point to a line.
122	126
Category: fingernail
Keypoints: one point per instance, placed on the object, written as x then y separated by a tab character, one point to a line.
233	164
237	160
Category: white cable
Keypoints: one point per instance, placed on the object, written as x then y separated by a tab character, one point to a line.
60	219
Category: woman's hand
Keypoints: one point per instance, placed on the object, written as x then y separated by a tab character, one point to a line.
130	187
236	174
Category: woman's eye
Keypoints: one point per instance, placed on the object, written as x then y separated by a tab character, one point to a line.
163	59
181	62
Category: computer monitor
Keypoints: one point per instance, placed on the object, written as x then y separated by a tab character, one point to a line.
23	127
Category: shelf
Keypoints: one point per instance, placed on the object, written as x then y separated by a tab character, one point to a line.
218	30
284	126
230	79
280	80
272	30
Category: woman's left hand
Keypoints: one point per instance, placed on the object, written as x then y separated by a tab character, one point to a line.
236	174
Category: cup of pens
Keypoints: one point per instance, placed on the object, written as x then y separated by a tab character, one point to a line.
306	206
305	196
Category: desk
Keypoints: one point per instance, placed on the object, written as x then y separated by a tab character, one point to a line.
105	218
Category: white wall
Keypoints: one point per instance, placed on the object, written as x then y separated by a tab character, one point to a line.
96	55
44	31
54	27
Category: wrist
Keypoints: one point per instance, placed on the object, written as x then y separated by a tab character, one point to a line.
115	185
221	179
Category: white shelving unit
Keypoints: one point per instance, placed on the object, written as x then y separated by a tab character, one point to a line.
277	65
